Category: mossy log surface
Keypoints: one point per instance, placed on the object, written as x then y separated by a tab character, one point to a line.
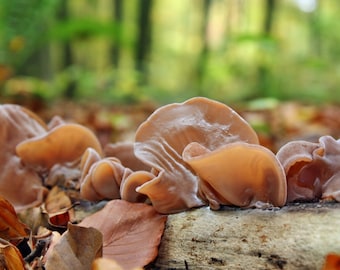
297	236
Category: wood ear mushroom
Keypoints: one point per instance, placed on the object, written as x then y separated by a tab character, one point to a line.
240	174
20	185
64	143
312	169
161	139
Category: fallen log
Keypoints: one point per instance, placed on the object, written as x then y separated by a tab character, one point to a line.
297	236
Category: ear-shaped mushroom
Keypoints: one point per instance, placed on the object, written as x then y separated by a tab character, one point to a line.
64	143
294	156
103	180
130	184
312	169
20	185
239	174
89	157
161	139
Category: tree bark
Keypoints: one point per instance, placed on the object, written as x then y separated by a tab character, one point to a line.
203	57
118	18
297	236
71	87
144	36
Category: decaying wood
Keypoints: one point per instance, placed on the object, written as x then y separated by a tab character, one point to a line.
294	237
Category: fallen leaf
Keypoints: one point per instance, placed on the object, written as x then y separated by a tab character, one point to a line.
76	249
57	200
131	232
11	228
10	257
55	238
58	207
34	219
332	262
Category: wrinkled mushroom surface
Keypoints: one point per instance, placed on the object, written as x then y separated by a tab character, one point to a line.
161	139
20	185
64	143
239	174
108	178
312	169
124	151
103	179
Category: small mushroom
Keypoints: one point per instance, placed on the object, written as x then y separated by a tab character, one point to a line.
294	156
239	174
161	139
89	157
130	184
64	143
20	185
103	180
312	169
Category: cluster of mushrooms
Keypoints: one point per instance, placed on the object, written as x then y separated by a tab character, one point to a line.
185	155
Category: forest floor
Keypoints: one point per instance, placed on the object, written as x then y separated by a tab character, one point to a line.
276	123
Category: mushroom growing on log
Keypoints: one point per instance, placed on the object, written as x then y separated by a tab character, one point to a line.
239	174
162	138
20	185
312	169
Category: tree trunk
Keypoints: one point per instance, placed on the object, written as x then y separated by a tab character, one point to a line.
144	37
203	57
298	236
118	18
71	87
263	71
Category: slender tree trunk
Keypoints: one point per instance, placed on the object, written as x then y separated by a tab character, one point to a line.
144	37
269	16
315	31
71	87
203	57
118	18
263	71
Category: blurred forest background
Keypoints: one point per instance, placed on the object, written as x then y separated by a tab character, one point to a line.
126	52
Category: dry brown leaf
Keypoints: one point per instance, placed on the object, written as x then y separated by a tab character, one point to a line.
10	226
58	207
131	232
332	262
34	219
77	248
55	238
57	200
10	257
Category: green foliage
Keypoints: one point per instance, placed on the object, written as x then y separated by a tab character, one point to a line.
24	28
235	59
84	28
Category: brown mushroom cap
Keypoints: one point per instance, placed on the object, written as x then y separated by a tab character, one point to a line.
294	156
131	183
312	169
103	180
64	143
20	185
160	141
89	157
239	174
